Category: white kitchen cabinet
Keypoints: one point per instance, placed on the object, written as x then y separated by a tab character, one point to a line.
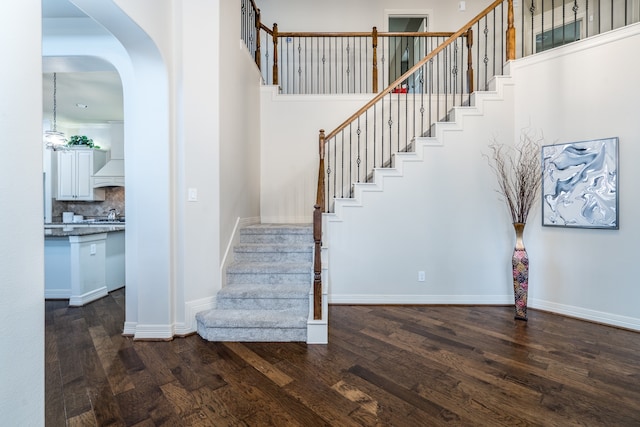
75	168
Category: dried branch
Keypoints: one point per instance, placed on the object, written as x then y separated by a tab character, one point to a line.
519	174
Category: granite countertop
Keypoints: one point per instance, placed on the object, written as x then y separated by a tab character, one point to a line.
80	231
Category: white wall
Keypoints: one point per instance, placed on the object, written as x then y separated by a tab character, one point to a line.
21	193
239	104
290	126
362	15
438	214
457	230
587	90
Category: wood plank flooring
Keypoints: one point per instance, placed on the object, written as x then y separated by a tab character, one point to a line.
384	366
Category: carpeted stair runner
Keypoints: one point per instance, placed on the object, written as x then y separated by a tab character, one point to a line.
268	284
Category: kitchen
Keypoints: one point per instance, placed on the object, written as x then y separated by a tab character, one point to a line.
84	194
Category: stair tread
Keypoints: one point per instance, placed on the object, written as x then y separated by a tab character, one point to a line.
277	229
273	247
265	291
248	267
253	318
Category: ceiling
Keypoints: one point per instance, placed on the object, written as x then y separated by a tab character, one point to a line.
86	81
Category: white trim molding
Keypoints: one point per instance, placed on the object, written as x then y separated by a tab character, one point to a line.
421	299
601	317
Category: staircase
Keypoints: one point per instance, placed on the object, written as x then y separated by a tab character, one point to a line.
267	293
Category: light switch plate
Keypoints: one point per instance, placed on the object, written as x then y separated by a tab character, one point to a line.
193	195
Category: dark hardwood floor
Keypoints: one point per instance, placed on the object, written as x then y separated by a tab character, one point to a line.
384	366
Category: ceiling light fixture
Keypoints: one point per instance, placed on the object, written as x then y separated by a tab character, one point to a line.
53	139
80	105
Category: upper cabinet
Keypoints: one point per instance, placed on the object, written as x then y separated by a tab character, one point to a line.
75	169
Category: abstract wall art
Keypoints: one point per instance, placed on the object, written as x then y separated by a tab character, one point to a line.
580	184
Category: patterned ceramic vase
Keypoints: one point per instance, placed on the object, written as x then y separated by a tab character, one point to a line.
520	263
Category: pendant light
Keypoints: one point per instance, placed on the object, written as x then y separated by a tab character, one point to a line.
53	139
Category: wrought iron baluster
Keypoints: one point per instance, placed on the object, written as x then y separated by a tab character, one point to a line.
342	164
358	158
422	110
324	59
366	145
350	162
335	63
575	19
299	70
328	157
486	55
611	15
532	9
382	132
454	71
390	127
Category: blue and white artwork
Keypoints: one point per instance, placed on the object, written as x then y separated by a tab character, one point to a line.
580	184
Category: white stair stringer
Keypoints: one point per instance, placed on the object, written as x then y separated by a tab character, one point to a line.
456	124
348	225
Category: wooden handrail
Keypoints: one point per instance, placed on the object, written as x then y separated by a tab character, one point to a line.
266	29
363	34
417	66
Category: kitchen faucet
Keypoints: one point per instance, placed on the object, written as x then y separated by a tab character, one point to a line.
113	214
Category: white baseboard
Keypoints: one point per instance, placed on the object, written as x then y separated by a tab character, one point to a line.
587	314
153	332
191	308
129	329
421	299
80	300
57	293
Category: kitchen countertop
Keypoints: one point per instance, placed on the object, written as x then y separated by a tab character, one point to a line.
81	231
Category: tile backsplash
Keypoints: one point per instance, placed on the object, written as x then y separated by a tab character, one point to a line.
114	199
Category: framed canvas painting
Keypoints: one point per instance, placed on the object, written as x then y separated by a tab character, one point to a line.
580	184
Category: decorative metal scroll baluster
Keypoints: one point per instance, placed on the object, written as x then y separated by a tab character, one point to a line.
350	180
532	9
575	20
300	67
493	54
358	159
342	174
454	72
485	59
553	16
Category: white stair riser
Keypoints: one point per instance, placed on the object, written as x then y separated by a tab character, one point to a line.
263	303
267	278
253	334
275	238
274	256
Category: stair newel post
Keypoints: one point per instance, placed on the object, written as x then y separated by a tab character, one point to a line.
374	70
317	234
470	60
275	54
258	28
511	33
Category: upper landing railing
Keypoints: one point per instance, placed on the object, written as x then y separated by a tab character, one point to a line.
367	62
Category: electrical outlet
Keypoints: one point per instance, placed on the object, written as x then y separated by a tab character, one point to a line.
421	276
92	249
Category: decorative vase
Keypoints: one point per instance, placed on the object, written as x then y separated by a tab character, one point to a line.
520	263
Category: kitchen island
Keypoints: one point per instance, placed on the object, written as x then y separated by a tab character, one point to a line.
83	263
